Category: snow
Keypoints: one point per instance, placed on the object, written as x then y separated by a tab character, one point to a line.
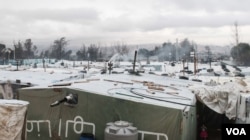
120	86
13	103
71	72
38	76
56	72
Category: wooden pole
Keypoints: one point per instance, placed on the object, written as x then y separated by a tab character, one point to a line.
194	64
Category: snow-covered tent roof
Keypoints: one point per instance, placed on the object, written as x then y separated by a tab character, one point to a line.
156	105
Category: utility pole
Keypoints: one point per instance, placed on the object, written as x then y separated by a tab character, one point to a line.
183	65
177	49
14	51
44	65
134	61
194	63
17	63
236	34
88	61
237	40
192	54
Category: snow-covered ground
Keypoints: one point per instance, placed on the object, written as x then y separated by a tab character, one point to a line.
71	70
79	76
38	76
56	72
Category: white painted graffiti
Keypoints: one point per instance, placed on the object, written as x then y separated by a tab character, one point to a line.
37	122
78	120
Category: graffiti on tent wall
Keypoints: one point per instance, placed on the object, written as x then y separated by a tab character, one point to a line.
78	120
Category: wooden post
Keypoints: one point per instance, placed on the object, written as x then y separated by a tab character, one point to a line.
17	65
194	64
183	61
134	61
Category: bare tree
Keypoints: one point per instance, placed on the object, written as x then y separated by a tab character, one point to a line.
93	52
121	49
208	49
2	47
81	54
7	51
28	48
58	48
35	51
18	50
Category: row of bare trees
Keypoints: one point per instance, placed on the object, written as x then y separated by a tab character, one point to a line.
20	50
94	52
169	51
100	53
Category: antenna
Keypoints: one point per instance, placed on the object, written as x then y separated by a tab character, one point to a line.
176	49
236	33
237	40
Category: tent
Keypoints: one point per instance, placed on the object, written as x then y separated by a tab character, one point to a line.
157	106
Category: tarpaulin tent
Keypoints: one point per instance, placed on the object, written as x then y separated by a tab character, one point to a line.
171	118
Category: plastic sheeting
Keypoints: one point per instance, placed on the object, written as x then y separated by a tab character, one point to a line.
221	98
243	111
6	91
12	118
66	122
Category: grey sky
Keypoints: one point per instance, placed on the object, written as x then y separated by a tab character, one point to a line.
127	21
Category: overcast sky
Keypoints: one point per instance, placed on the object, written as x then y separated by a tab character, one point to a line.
128	21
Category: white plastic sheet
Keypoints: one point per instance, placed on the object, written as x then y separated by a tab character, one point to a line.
12	118
221	98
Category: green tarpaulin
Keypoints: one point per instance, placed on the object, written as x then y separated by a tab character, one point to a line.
93	111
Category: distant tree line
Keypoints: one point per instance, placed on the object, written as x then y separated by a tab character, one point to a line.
59	49
21	50
169	51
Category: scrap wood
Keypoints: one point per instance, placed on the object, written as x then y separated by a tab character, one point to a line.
86	81
149	83
93	79
118	81
60	84
156	88
166	86
83	81
144	82
136	81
